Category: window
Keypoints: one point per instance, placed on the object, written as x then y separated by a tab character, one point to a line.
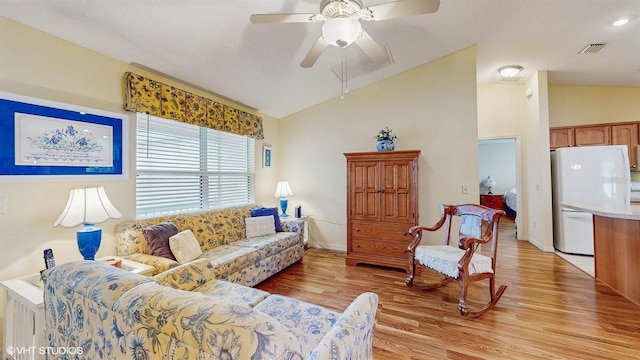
182	167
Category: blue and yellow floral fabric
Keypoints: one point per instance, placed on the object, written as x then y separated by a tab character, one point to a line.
104	312
221	235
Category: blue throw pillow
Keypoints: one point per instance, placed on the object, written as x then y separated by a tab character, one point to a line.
266	212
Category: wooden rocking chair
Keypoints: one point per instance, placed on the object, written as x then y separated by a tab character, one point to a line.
479	225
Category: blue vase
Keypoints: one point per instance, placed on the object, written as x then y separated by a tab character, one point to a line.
385	145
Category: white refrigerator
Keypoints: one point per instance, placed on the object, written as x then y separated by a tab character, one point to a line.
586	175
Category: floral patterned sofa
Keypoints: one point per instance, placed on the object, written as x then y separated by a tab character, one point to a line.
97	311
221	235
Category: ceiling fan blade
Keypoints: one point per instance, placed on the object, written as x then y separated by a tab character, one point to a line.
280	18
376	52
314	53
402	8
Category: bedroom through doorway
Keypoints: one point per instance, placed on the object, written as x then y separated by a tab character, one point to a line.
498	159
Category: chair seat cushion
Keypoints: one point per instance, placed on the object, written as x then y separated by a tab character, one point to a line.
444	259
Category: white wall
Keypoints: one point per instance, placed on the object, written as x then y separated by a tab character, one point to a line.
497	158
431	108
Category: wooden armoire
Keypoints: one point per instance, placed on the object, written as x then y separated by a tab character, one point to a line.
382	204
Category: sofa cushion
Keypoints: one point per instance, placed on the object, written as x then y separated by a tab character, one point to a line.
157	237
270	245
213	329
263	211
184	246
224	291
187	276
228	259
307	322
259	226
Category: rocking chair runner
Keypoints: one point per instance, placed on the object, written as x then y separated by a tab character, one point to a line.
479	225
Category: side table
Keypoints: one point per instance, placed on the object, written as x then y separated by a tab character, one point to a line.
24	311
23	318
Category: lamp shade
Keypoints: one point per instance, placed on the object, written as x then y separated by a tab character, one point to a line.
87	206
283	190
341	32
489	182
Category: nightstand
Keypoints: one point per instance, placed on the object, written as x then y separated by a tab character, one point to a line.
24	311
492	201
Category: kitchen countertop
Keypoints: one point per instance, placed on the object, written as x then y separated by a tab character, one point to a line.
630	212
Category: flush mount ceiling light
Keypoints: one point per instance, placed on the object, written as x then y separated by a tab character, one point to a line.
510	70
621	21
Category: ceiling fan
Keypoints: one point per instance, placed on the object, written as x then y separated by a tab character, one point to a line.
342	24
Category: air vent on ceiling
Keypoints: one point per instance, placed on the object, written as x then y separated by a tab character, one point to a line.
591	49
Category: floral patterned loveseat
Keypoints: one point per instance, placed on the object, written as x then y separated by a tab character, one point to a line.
221	235
97	311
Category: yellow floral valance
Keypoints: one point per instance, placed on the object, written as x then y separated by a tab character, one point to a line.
151	97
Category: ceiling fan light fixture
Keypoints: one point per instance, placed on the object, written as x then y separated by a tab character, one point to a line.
341	32
510	70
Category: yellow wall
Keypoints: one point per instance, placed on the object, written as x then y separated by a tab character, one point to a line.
38	65
431	108
583	105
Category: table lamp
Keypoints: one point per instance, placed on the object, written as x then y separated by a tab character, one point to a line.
489	183
282	191
88	206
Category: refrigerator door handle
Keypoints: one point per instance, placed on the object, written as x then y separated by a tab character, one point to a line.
577	214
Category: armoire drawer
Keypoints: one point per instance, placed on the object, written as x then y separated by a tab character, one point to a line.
377	230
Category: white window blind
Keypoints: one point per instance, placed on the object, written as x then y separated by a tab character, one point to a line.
182	167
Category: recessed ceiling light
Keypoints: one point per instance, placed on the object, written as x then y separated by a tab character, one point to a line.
510	70
621	21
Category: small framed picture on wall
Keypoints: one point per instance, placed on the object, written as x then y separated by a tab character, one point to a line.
267	156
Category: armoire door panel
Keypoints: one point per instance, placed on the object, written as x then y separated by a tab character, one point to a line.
364	193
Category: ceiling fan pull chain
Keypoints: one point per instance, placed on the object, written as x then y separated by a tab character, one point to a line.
345	88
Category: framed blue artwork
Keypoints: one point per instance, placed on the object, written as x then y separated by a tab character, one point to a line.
44	138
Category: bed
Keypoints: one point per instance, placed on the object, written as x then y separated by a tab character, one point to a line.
511	202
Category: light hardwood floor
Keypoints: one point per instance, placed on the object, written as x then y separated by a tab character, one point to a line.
550	310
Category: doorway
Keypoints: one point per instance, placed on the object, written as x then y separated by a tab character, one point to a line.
499	158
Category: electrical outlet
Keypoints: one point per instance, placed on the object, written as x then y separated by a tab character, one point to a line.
465	189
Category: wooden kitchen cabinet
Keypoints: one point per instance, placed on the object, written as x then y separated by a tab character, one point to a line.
561	137
382	205
627	134
592	135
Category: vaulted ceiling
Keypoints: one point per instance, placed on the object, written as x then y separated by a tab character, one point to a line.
211	44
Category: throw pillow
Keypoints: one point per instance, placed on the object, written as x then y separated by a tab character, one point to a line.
185	246
157	237
266	212
259	226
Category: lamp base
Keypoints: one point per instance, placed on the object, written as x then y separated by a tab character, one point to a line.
283	205
89	238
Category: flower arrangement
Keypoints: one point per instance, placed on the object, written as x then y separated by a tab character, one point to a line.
385	134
